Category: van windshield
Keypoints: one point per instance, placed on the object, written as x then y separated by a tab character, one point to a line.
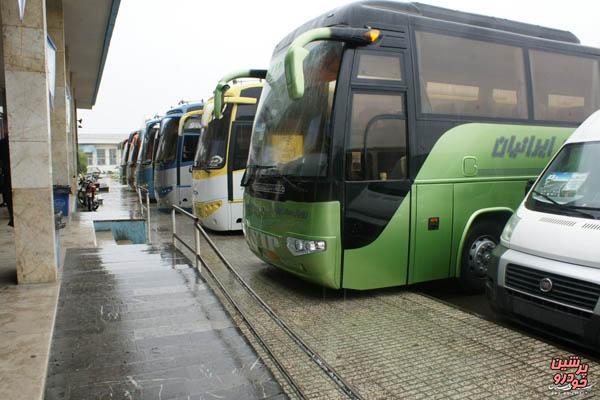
571	184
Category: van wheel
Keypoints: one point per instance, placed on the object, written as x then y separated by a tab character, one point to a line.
482	239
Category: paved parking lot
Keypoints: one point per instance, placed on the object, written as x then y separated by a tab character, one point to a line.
392	343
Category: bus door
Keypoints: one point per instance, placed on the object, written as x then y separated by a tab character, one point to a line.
376	212
239	146
189	143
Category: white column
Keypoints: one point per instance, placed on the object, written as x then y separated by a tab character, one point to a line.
29	137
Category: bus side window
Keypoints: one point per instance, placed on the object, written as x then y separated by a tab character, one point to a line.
565	87
377	147
190	142
243	133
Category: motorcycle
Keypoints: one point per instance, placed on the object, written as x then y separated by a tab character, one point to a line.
86	195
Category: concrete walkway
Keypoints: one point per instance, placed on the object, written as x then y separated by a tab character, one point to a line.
138	322
27	315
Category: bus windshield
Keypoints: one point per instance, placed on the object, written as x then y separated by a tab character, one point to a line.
149	143
571	184
167	147
290	136
213	142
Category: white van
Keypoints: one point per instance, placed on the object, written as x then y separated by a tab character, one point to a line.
546	271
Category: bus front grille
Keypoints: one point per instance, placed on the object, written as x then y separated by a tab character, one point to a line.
567	291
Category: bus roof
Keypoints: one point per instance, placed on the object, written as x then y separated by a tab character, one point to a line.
390	14
588	131
235	89
183	108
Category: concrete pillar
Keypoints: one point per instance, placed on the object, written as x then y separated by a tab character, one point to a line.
58	113
28	109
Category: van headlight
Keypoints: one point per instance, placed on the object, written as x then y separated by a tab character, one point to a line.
300	247
509	229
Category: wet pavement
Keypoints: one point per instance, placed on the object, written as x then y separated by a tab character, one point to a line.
138	322
421	342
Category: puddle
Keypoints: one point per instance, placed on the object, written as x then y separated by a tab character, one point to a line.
120	232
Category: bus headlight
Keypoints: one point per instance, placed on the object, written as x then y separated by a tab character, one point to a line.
300	247
509	229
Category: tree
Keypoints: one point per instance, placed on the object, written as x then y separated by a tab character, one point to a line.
82	164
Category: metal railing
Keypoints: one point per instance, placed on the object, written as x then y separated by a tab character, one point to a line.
176	238
145	208
346	388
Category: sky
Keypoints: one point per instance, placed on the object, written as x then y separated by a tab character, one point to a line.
165	51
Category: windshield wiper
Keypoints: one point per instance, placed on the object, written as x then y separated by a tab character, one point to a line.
277	174
256	166
545	196
576	209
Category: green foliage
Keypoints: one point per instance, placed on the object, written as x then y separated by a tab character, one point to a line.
82	163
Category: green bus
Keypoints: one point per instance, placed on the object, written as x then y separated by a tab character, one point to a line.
393	141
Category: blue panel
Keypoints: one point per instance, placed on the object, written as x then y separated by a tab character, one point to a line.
126	229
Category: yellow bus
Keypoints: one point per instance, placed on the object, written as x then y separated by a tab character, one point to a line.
223	152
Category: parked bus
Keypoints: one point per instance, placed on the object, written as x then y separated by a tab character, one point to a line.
124	159
174	157
546	270
223	151
395	154
145	165
135	140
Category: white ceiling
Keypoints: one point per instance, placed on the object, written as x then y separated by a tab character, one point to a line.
86	26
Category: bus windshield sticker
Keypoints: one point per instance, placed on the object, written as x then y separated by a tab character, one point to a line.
529	146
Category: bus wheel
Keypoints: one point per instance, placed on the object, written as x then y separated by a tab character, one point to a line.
483	238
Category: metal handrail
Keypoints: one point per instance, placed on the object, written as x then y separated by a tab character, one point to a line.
196	249
312	354
146	207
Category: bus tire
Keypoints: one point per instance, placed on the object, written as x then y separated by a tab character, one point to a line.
483	237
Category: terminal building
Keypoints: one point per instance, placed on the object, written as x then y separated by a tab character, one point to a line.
52	54
102	151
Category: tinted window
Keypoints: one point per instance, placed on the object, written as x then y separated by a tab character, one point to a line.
565	88
150	142
470	77
377	142
133	149
212	148
190	142
379	66
291	136
243	133
167	147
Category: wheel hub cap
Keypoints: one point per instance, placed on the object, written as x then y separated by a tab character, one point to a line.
480	255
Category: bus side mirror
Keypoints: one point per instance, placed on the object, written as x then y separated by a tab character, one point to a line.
296	53
294	71
219	99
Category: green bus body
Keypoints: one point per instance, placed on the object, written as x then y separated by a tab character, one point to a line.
406	251
473	168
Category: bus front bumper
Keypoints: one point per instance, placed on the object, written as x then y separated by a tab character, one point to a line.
317	267
526	304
